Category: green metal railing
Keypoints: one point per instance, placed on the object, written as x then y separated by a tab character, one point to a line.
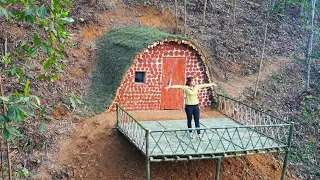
257	132
248	115
131	128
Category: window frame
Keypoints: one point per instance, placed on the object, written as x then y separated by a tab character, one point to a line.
144	77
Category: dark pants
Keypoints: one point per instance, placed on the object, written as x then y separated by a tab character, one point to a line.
195	111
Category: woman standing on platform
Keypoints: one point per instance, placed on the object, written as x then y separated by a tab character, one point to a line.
192	101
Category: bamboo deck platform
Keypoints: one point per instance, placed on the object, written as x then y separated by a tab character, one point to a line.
215	138
244	131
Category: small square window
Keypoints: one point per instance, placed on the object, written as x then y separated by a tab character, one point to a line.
140	77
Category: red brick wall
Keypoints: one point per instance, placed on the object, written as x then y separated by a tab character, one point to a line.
147	96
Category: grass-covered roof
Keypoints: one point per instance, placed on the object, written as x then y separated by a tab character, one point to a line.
115	54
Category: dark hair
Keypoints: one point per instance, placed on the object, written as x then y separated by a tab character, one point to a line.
189	79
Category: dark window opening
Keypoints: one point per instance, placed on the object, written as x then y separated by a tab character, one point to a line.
140	77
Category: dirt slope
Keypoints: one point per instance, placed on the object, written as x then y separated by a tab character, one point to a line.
236	84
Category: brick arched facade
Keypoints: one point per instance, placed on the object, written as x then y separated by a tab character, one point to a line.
148	95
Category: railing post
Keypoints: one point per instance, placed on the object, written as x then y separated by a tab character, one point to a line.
117	110
219	109
117	124
147	156
285	163
218	168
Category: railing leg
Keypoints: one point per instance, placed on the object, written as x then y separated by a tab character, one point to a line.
285	163
118	132
117	123
147	156
218	168
147	168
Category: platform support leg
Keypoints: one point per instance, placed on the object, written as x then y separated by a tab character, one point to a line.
118	133
285	163
147	168
147	155
117	123
218	168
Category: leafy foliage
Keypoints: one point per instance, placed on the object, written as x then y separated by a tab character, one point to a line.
47	40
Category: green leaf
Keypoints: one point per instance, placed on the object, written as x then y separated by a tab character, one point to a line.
42	61
26	87
34	52
308	97
15	113
25	172
24	99
42	111
54	31
3	13
32	105
4	118
56	76
13	131
79	100
42	12
36	39
26	111
30	11
21	16
29	75
42	76
6	134
56	5
30	67
30	19
42	127
67	3
49	78
73	104
37	99
68	19
48	64
64	14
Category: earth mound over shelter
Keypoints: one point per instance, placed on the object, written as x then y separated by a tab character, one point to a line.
134	64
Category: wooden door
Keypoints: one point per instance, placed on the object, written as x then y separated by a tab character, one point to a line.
173	70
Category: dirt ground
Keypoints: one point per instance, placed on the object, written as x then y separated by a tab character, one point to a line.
94	151
236	85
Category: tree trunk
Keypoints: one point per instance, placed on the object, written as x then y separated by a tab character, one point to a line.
51	24
91	3
234	15
176	12
9	160
212	4
1	157
185	18
2	167
4	111
204	12
263	49
310	44
261	59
